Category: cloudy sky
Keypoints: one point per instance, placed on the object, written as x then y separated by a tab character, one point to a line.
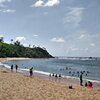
63	27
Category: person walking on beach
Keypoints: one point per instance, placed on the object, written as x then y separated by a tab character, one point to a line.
16	67
11	68
81	80
31	72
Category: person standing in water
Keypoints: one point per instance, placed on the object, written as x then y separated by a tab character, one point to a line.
81	79
31	72
11	68
16	67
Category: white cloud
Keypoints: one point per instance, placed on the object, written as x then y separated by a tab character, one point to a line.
1	35
3	1
35	35
92	44
49	3
45	13
74	16
86	49
59	40
81	36
4	7
39	3
74	49
20	39
77	49
7	10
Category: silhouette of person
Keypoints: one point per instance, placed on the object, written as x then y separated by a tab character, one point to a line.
31	71
81	79
90	85
53	74
56	75
16	67
12	68
50	74
86	84
59	75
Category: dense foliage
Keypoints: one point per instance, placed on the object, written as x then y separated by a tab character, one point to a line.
18	50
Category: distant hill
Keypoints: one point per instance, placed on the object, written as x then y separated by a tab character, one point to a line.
18	50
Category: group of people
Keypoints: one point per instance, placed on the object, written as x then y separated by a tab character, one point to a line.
16	68
55	75
12	67
87	84
75	73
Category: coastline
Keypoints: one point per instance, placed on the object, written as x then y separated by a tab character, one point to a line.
15	58
17	86
45	76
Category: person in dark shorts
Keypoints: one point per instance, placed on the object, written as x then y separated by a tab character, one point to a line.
16	67
81	79
31	72
11	68
86	84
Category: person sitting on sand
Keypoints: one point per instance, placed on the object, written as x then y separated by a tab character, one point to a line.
16	67
85	84
12	68
31	72
70	87
90	85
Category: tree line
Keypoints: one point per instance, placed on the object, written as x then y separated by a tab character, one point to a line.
16	49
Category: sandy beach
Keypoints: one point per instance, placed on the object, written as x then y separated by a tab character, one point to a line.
16	86
16	58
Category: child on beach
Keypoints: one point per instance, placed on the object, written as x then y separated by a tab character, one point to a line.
89	84
85	84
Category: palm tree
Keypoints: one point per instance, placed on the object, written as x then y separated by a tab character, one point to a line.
29	45
33	46
11	41
1	39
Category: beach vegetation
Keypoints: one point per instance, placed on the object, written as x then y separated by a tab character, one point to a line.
18	50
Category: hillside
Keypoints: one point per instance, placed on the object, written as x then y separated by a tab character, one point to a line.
18	50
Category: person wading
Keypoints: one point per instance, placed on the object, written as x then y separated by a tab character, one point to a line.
81	79
31	72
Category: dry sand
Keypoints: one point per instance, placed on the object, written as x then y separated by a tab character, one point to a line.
16	86
15	58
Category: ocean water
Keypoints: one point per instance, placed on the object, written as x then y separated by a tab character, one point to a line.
67	67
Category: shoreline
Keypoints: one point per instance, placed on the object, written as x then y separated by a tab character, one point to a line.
69	80
14	58
63	80
16	86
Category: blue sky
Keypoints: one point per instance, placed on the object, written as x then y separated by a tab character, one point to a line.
63	27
